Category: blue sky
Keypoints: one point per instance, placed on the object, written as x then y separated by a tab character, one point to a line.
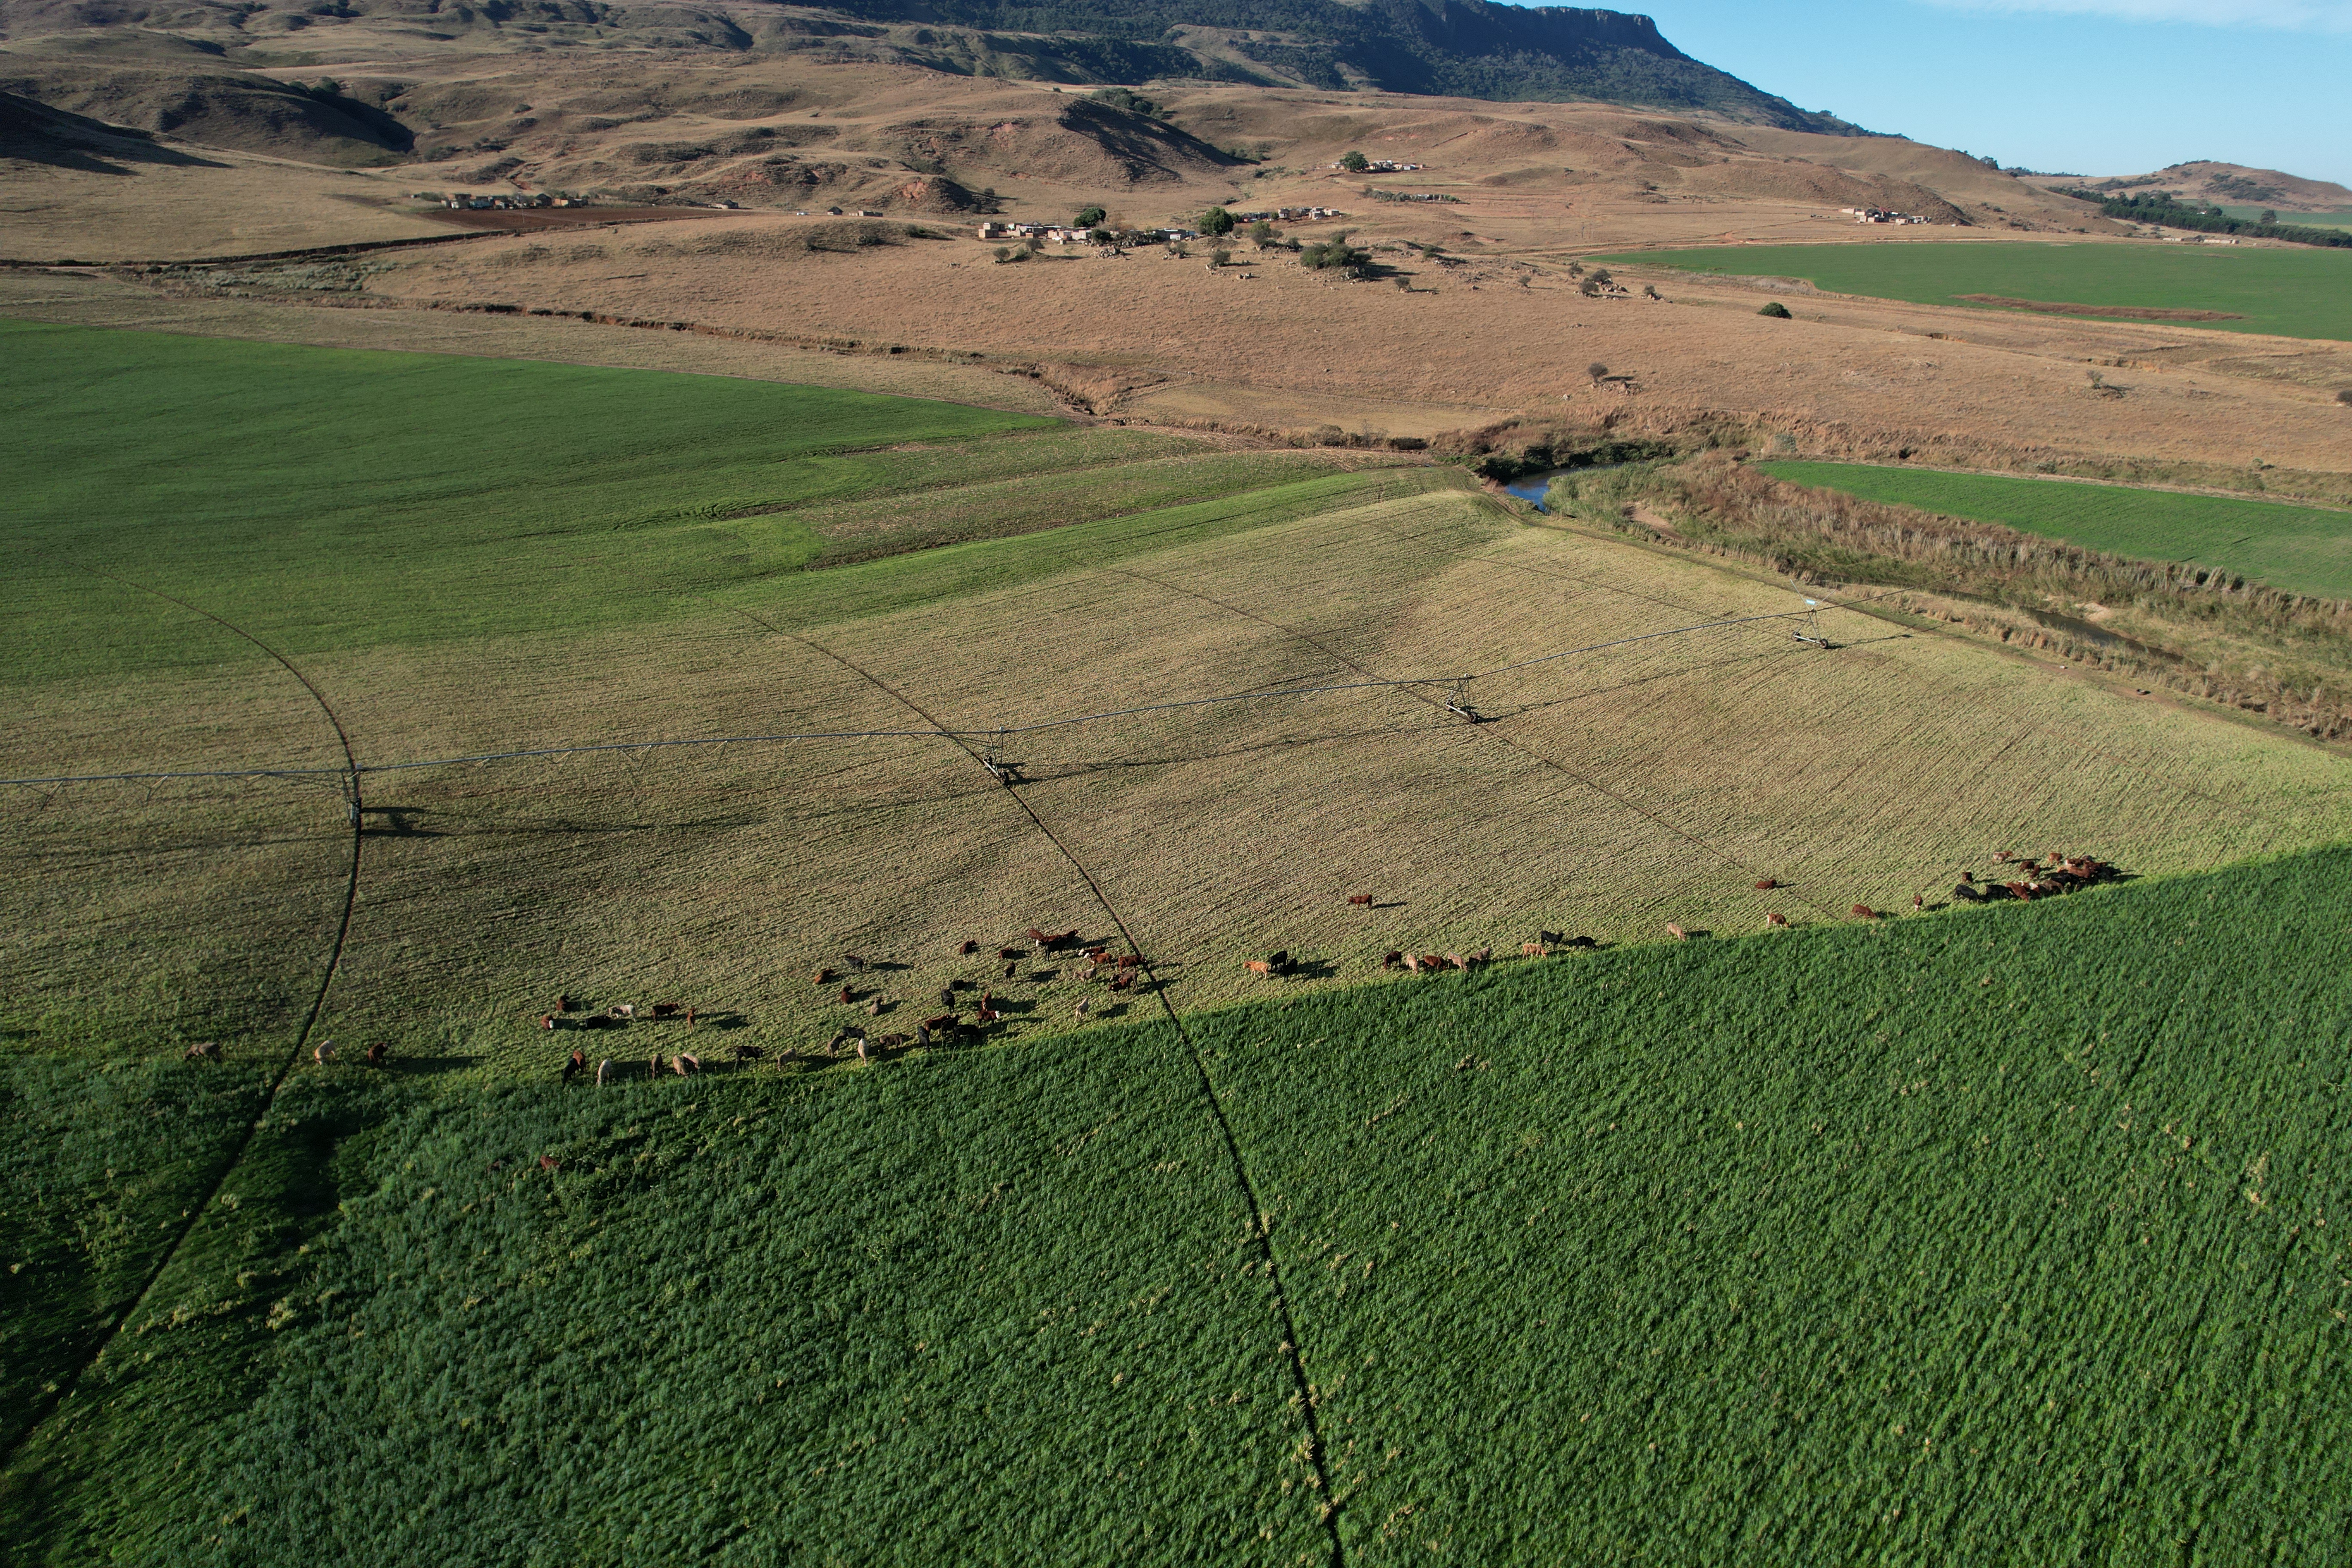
2092	87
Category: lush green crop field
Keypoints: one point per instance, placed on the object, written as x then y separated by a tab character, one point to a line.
296	485
2305	549
1988	1236
2296	293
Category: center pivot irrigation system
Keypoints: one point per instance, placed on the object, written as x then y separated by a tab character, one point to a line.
990	741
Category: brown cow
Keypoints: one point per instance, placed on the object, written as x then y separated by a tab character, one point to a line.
939	1021
1132	961
1918	900
826	976
967	947
1258	967
1079	1012
563	1003
749	1053
689	1013
1432	963
854	963
1125	978
1865	912
1534	950
1391	959
986	1015
550	1163
376	1053
1008	952
1035	935
1772	920
1012	969
1359	898
667	1009
324	1052
1678	932
2022	891
547	1020
1768	884
575	1066
203	1051
845	996
874	1008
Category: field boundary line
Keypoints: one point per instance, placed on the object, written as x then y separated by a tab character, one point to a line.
1261	1231
197	1212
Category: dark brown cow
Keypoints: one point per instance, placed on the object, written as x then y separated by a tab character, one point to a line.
1550	938
749	1053
550	1163
968	946
1768	884
1009	952
376	1053
668	1009
1359	898
575	1066
1865	912
1391	959
826	976
939	1021
1773	919
845	996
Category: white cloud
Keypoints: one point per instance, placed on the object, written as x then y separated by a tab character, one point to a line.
2290	16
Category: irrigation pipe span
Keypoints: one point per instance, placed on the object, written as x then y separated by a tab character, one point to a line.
993	732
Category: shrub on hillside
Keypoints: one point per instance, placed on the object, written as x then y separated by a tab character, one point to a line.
1216	222
1777	310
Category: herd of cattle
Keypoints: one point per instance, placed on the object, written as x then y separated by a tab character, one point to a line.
2055	874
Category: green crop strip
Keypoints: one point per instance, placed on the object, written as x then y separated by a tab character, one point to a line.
1998	1236
2293	293
2302	549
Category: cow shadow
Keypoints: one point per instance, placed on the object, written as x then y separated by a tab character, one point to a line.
1314	969
398	823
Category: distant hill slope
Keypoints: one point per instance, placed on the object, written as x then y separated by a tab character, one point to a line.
1465	49
2230	185
1462	48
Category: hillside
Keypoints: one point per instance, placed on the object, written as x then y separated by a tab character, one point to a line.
2227	184
1473	48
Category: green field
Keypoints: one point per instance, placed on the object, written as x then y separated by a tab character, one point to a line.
2294	292
1990	1237
2302	549
1982	1236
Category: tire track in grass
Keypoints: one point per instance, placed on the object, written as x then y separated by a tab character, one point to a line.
1487	728
1261	1230
197	1212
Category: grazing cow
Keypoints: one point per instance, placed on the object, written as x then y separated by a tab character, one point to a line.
947	998
1774	920
688	1063
1012	969
1126	978
603	1071
2056	856
1582	941
1008	952
889	1042
689	1015
623	1010
1391	959
1968	892
1079	1012
940	1021
1130	961
2021	892
2004	857
862	1057
1359	898
923	1035
1093	974
1534	950
376	1053
1097	956
1768	884
653	1067
989	1016
202	1051
1550	938
550	1163
1458	962
575	1066
1484	955
845	996
1968	876
595	1021
1918	900
1036	936
1258	967
324	1052
854	963
1432	963
1412	964
747	1053
967	947
826	976
563	1003
547	1020
873	1009
1865	912
668	1009
1678	932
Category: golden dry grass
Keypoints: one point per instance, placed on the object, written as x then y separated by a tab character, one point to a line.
1611	793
